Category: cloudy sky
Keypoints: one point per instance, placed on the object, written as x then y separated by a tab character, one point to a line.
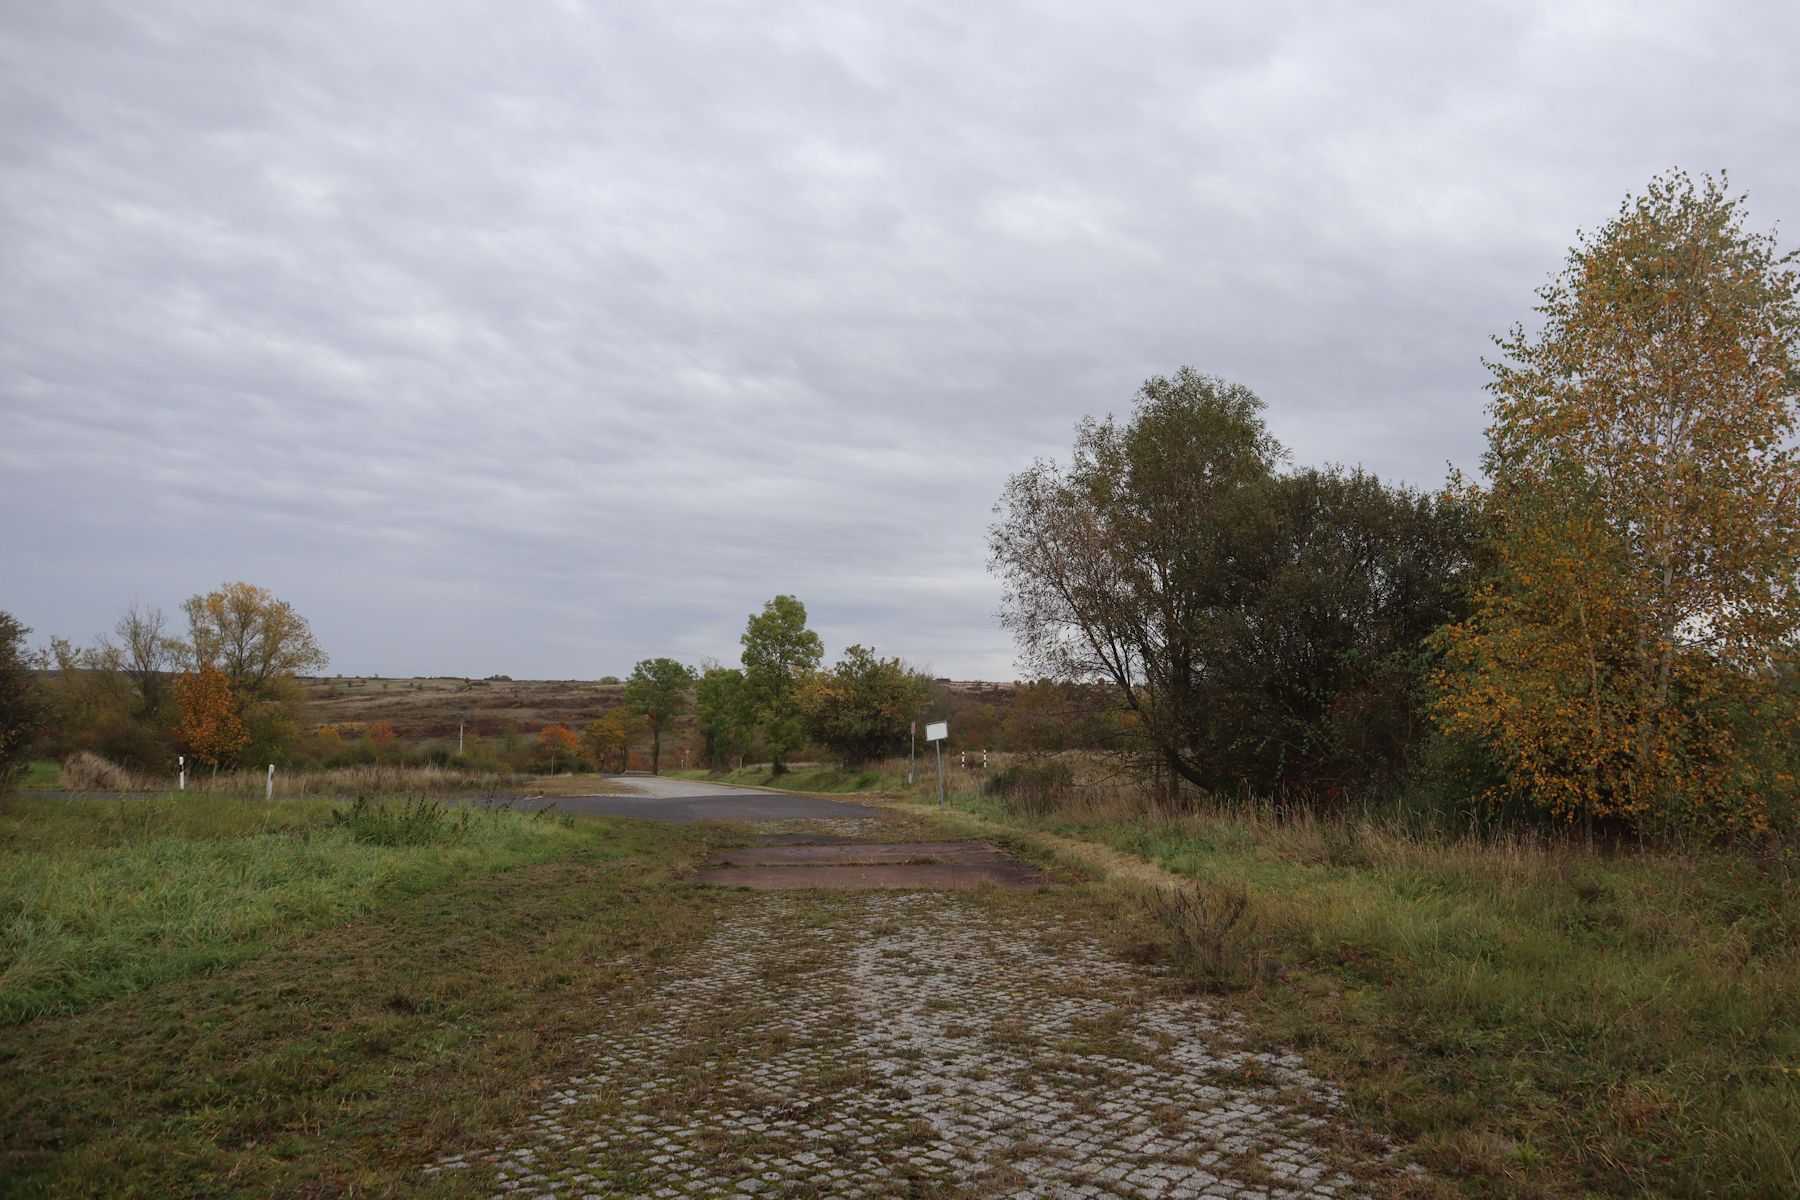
538	338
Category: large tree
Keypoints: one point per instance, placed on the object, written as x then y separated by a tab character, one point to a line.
1263	630
780	653
658	691
1646	520
863	706
260	644
726	714
22	706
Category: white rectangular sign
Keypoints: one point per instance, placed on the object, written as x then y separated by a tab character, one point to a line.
937	731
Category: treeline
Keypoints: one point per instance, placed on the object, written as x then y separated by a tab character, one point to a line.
222	688
1605	633
780	702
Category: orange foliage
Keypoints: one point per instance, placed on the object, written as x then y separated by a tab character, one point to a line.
210	727
1645	527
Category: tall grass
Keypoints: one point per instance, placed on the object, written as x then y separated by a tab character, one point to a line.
101	897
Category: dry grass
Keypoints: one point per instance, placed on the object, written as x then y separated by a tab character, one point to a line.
373	780
86	772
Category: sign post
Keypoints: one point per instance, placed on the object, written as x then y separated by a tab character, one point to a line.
937	733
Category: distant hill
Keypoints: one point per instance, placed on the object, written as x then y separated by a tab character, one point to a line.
432	706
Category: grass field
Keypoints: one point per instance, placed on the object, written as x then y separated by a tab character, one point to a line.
240	999
1530	1017
106	896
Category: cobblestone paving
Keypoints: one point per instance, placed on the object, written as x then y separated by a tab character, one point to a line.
920	1044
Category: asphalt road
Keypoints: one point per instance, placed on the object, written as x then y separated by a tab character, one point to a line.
683	800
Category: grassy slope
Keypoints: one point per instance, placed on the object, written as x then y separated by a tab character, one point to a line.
1531	1020
340	1060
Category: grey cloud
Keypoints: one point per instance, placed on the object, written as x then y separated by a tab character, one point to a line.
538	339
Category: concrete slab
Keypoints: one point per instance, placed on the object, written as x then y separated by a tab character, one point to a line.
932	877
846	853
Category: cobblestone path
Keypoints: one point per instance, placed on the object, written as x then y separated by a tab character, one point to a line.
920	1044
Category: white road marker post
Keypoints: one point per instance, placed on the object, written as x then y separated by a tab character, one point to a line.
181	772
937	733
269	788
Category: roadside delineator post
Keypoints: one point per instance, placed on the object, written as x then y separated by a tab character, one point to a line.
269	788
181	772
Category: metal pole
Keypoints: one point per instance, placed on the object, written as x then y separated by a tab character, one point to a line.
940	760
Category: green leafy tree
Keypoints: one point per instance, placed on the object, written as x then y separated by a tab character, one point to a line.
1619	661
1255	625
22	706
862	708
780	654
658	690
726	714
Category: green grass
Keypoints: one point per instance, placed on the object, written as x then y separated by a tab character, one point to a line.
420	1014
102	897
1530	1019
40	776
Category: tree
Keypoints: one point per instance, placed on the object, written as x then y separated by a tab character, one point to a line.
210	727
658	690
1645	522
726	714
260	644
22	707
146	655
609	735
382	736
560	743
1247	620
862	707
780	653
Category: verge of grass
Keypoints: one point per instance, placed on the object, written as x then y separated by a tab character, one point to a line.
341	1062
99	897
1527	1018
40	776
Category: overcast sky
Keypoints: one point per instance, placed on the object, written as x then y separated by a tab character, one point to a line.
538	338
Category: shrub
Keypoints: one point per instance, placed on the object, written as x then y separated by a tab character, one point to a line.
1033	786
414	822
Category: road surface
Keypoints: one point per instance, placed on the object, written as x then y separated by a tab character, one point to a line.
684	800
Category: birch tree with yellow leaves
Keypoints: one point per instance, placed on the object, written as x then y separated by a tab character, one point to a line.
1621	657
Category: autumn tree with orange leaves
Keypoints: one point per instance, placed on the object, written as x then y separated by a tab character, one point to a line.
1622	657
561	744
210	727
